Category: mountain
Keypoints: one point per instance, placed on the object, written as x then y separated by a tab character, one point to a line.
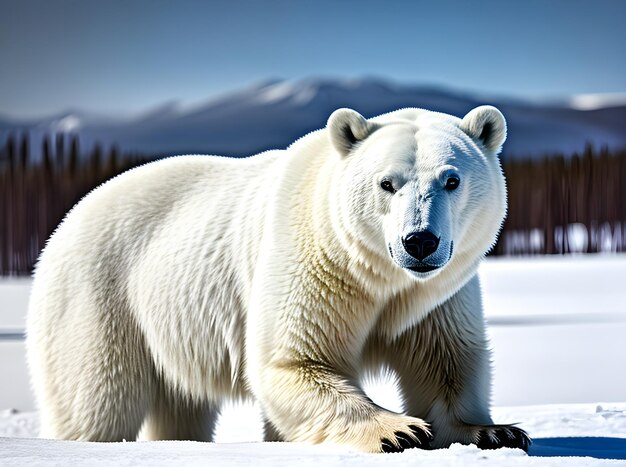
273	114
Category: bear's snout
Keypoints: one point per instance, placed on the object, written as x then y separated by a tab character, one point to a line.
421	244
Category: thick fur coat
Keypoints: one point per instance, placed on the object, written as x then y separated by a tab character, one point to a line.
283	278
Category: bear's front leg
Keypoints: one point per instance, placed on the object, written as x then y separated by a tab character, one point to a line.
308	401
305	332
444	372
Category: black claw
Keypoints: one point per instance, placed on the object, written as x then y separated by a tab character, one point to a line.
423	437
417	438
522	438
388	446
503	437
406	441
487	439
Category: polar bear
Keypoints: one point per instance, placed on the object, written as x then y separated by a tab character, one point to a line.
282	278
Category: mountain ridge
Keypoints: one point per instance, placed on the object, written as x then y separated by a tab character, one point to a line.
273	113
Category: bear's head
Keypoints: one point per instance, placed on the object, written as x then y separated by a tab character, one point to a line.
421	188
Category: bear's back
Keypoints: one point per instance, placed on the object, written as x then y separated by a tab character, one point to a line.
154	246
181	195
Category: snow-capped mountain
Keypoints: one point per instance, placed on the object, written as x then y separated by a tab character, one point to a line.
273	114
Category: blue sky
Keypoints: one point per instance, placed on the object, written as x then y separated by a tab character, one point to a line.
126	56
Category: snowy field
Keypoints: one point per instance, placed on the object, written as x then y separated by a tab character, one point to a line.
558	332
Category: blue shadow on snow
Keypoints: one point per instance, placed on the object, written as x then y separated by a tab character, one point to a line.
598	447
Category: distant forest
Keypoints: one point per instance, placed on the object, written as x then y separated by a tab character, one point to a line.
557	205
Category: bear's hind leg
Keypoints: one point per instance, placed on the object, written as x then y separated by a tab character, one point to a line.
177	417
103	422
90	386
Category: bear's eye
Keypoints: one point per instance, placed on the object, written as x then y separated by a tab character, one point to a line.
386	185
452	183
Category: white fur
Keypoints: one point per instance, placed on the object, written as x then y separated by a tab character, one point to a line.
193	280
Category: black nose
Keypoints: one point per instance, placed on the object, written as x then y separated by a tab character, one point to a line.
420	244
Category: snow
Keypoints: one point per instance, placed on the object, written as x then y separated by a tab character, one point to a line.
554	285
556	326
574	424
168	453
14	294
597	101
66	124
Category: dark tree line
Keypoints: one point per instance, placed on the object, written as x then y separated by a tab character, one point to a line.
34	196
566	205
556	205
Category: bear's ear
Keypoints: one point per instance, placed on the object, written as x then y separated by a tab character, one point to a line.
487	125
346	128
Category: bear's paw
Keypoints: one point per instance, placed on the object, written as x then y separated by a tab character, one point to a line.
399	433
502	436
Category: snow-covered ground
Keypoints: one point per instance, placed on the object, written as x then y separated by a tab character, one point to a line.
579	430
557	327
